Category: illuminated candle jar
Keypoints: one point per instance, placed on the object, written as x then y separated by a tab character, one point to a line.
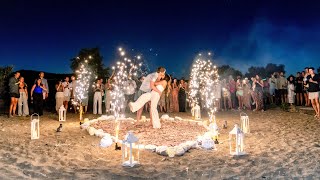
244	123
130	150
196	112
35	130
62	113
236	140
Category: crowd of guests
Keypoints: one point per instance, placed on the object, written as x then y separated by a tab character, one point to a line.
18	90
256	93
231	94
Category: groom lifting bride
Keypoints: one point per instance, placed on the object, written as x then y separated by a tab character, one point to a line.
150	90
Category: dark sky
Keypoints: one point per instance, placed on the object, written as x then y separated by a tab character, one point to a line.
44	35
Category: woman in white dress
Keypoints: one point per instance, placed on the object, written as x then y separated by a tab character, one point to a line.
154	97
291	93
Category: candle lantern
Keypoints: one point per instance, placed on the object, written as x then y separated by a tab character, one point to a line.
244	124
236	140
35	130
196	112
62	113
130	150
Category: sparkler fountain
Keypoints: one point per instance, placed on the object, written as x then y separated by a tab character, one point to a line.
83	83
125	70
204	75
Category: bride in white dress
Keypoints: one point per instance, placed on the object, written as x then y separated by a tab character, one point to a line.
154	97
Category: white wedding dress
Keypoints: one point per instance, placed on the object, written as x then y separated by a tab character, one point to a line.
154	97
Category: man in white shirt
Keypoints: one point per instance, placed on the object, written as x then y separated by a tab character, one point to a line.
148	85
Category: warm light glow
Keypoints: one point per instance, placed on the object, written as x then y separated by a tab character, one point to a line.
204	75
83	82
125	69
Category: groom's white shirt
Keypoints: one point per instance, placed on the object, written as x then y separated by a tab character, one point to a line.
145	86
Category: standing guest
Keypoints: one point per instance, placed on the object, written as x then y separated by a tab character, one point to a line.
73	97
282	85
277	90
187	94
258	89
232	90
290	88
14	93
59	95
246	94
266	91
272	88
169	105
226	95
299	89
45	84
130	89
37	97
175	95
239	93
23	108
66	92
162	101
108	90
85	101
217	93
103	90
305	74
97	98
138	83
182	96
313	81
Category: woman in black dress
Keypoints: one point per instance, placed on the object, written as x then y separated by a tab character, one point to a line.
182	96
299	89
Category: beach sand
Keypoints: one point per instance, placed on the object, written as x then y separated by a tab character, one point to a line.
281	144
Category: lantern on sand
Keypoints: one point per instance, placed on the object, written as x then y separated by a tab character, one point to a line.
62	113
244	124
130	150
35	130
196	112
236	140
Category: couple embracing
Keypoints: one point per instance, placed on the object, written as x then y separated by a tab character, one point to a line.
150	90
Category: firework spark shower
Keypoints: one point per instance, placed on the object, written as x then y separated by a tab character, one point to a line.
204	75
125	69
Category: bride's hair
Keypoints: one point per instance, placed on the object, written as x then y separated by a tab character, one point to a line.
166	78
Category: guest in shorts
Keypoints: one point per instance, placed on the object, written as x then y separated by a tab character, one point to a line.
313	81
14	93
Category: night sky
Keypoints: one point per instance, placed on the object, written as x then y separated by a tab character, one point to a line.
45	35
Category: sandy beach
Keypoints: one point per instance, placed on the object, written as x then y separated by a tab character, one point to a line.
281	145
